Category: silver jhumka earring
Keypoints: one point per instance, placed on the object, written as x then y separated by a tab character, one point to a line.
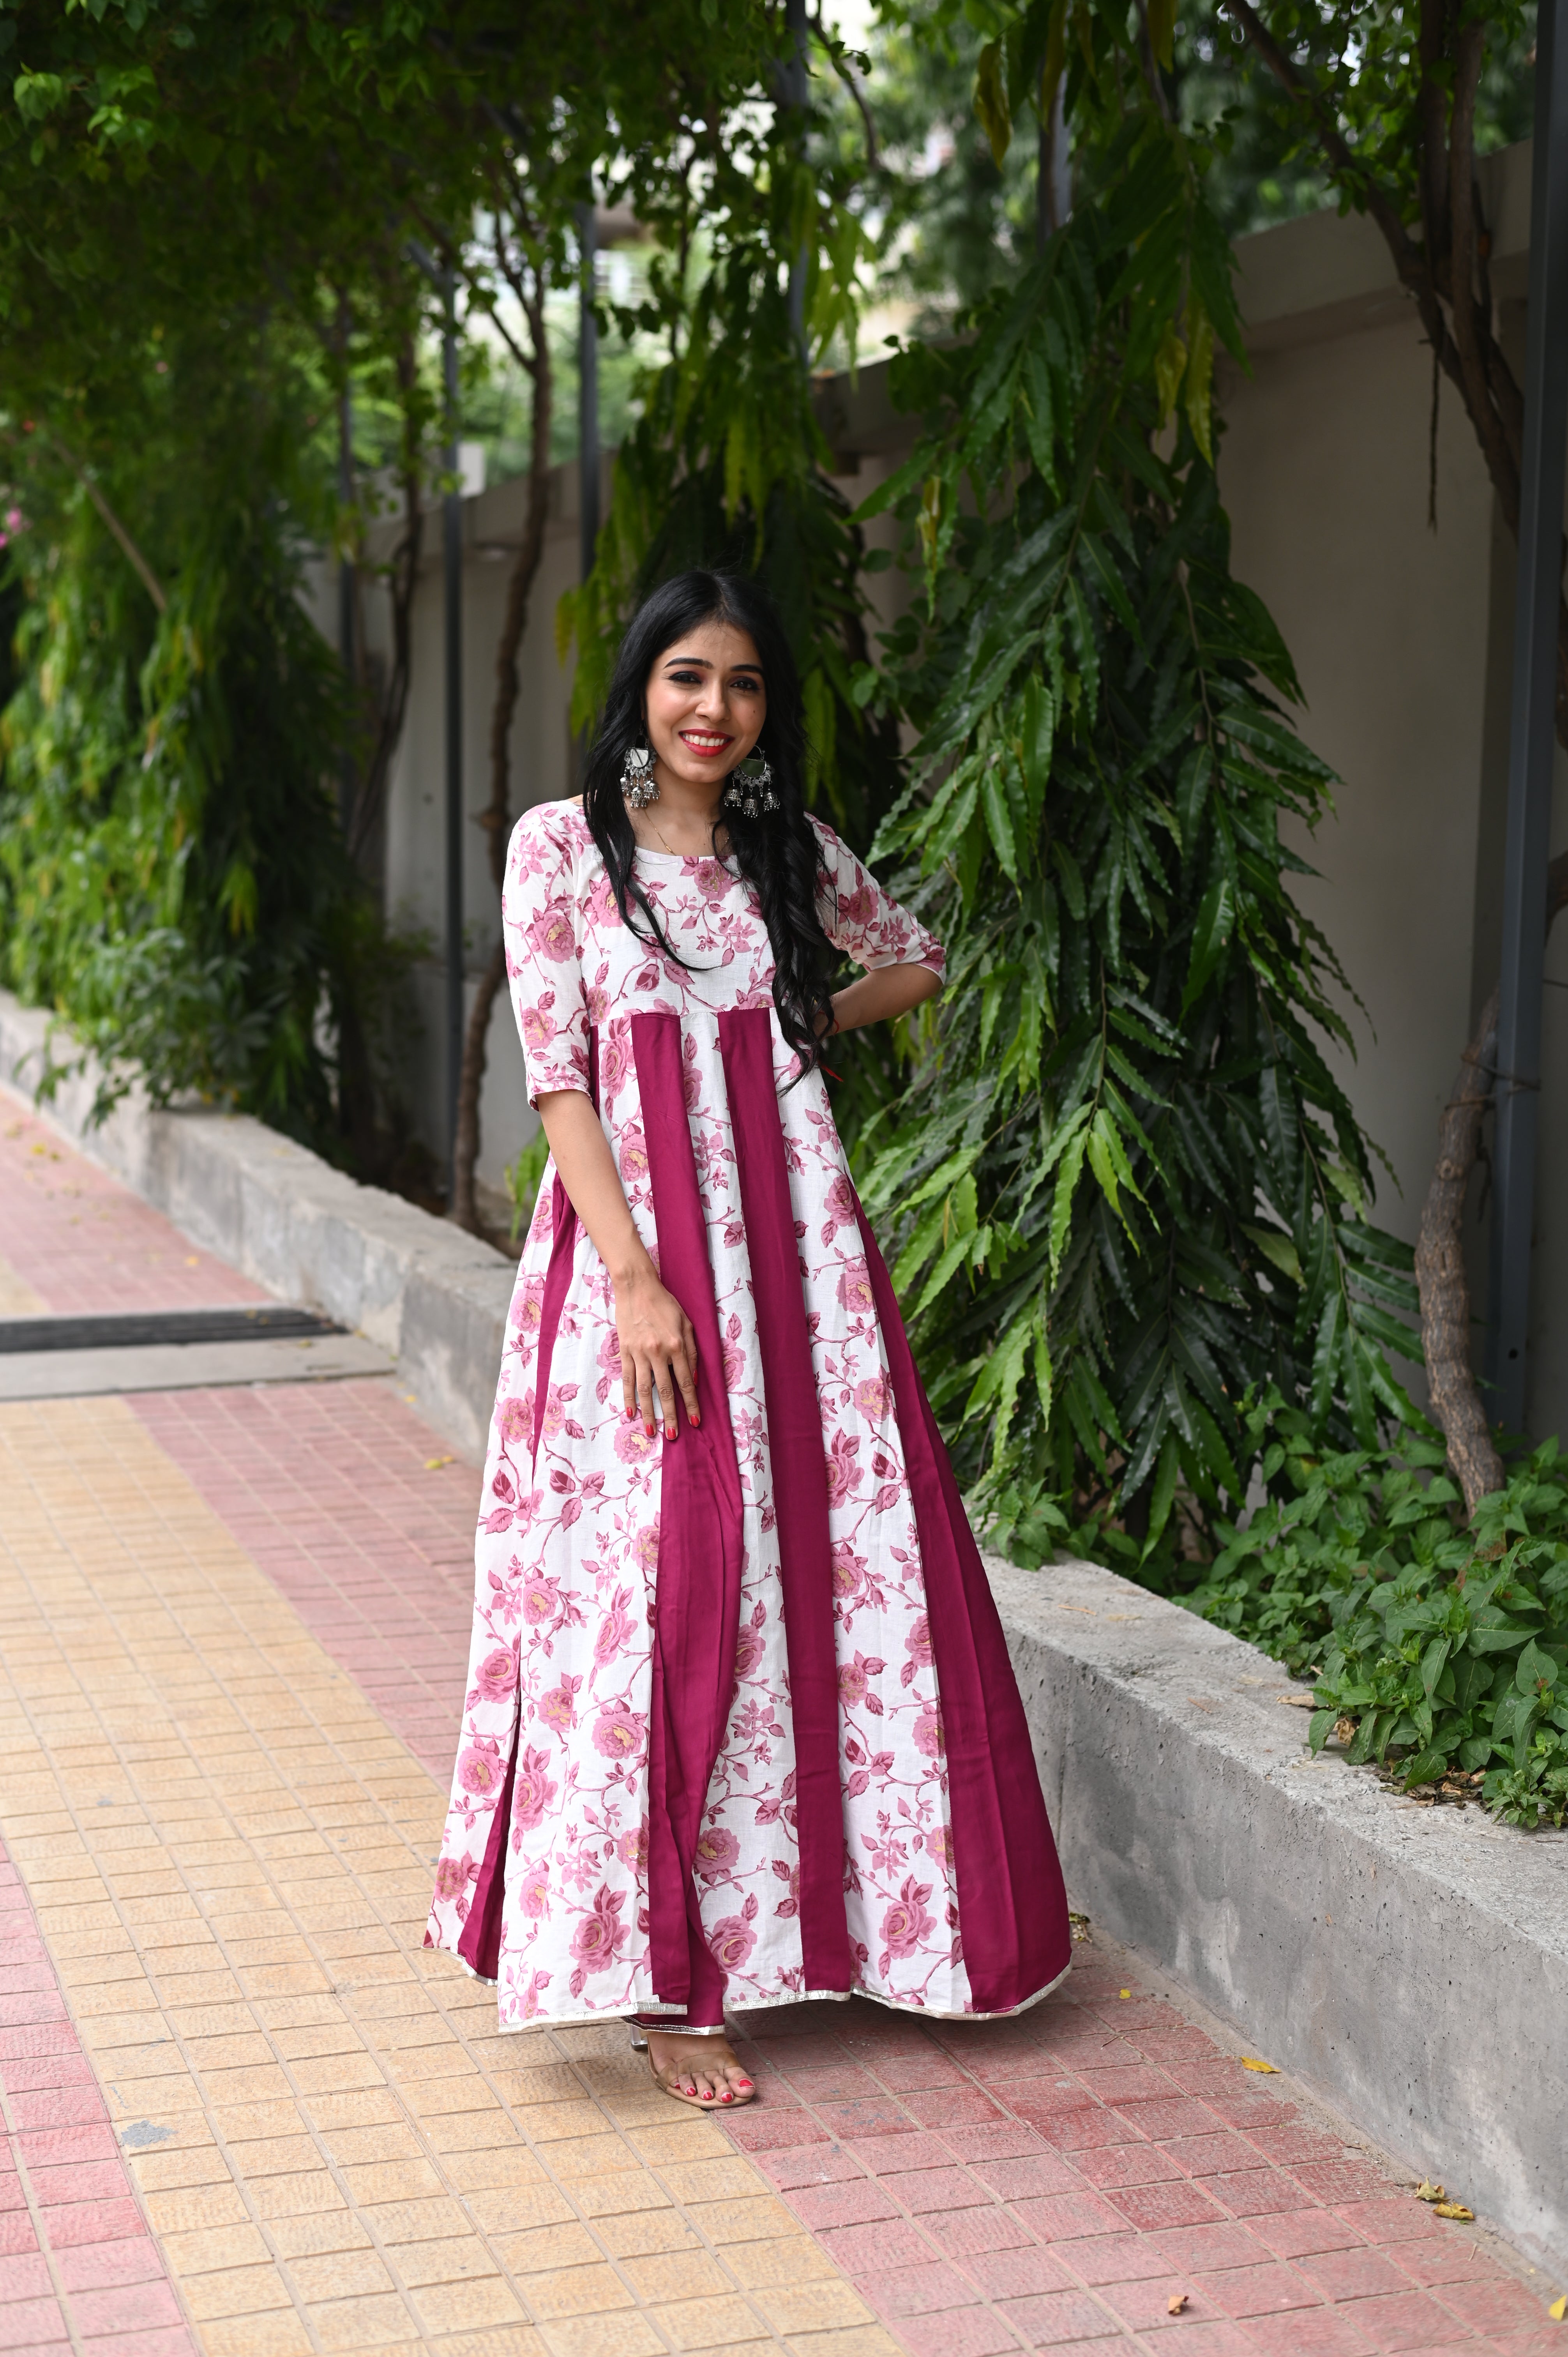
638	783
750	786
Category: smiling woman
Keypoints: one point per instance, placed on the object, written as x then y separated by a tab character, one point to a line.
741	1727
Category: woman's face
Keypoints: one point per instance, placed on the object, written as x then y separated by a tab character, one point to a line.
706	702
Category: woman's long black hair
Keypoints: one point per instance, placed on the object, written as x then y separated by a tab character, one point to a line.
776	852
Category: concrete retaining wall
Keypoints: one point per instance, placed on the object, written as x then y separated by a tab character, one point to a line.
1410	1961
431	1295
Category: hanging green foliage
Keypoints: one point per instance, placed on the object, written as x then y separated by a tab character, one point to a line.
1125	1186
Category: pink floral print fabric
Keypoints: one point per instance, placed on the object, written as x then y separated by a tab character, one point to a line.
560	1694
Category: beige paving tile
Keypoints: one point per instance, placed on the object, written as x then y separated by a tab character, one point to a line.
358	2159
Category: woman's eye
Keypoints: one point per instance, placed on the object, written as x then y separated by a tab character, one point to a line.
746	686
686	679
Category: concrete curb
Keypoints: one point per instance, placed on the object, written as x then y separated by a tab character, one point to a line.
1411	1963
434	1297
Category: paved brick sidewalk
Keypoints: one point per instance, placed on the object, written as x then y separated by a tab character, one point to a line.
233	1627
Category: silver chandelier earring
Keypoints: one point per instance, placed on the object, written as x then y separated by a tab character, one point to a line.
638	783
750	786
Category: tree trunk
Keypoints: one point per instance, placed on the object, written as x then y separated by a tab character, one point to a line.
1440	1271
495	819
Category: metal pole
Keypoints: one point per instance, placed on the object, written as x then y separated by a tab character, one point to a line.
792	80
452	584
347	779
1533	735
587	396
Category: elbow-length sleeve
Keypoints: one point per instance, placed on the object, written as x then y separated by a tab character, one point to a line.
863	921
543	953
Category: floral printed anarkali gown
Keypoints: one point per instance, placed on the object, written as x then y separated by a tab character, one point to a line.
740	1725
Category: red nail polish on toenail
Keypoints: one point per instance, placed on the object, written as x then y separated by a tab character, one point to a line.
743	2082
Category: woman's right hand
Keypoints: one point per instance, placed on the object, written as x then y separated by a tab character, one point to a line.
658	1352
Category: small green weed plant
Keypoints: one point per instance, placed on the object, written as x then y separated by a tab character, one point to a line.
1435	1645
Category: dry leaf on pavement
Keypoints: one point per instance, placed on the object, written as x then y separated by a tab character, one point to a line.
1256	2063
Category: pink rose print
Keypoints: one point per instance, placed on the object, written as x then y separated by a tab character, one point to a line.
497	1674
713	881
748	1651
852	1682
873	1398
614	1059
939	1844
619	1733
533	1792
529	1307
854	1289
538	1030
541	1600
552	933
645	1547
928	1731
557	1708
717	1852
857	909
917	1643
452	1876
633	1444
600	1935
843	1473
907	1923
847	1569
557	1400
633	1154
531	1999
480	1768
732	1939
514	1420
632	1850
615	1629
534	1893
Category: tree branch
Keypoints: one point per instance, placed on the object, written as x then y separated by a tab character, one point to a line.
149	579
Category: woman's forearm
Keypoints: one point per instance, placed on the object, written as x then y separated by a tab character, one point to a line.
588	1171
888	990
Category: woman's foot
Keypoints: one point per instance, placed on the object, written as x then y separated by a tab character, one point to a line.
700	2071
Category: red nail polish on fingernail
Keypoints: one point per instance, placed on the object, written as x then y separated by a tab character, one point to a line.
669	1432
648	1429
695	1421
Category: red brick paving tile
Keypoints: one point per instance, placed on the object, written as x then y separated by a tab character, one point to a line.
86	1242
1294	2233
1014	2274
1145	2303
1246	2107
67	2221
1548	2344
1219	2337
855	2203
94	2266
1128	2083
1253	2192
1495	2305
993	2140
1392	2217
1266	2290
26	2276
16	2232
1112	2166
808	2165
42	2148
1407	2320
964	2233
956	2332
163	2341
1210	2155
1340	2180
1350	2275
128	2307
945	2108
1118	2258
1294	2145
878	2115
936	2188
1077	2131
819	2085
31	2322
897	2155
54	2106
1062	2217
1057	2319
1199	2250
906	2072
1313	2333
1161	2117
78	2182
1439	2259
865	2250
1037	2172
1149	2207
916	2291
766	2130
